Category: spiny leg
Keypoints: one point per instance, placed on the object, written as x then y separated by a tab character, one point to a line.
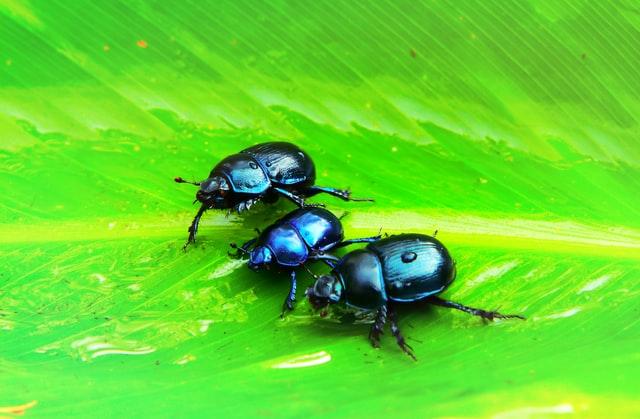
242	250
378	326
343	194
296	199
487	315
291	298
193	228
395	330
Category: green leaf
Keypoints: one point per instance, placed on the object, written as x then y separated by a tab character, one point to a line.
510	127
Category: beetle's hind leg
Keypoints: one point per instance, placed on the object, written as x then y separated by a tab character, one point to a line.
395	330
291	297
377	328
343	194
486	315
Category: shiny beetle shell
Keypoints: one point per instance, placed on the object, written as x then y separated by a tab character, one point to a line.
403	268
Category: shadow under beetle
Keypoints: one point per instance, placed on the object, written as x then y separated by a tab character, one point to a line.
398	269
304	234
262	172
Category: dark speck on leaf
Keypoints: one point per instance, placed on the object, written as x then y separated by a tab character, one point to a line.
584	56
413	53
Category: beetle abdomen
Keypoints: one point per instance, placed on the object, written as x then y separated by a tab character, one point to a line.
285	163
319	228
414	266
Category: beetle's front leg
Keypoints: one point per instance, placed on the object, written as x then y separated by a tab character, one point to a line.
486	315
296	199
395	330
291	298
378	326
193	228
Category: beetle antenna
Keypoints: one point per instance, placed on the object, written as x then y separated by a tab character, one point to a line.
180	180
238	248
435	233
239	251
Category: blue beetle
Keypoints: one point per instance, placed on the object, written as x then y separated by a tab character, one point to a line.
304	234
398	269
262	172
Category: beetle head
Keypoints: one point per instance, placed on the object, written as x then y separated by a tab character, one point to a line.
326	290
260	257
214	192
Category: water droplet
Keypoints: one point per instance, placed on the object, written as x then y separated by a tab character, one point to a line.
408	257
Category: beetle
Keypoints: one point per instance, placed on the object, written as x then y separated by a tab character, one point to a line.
302	235
398	269
264	172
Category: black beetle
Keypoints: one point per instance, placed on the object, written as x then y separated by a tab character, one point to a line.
261	172
398	269
302	235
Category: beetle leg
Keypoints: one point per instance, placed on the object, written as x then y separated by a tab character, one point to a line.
193	228
395	330
361	240
296	199
487	315
246	205
378	326
291	298
343	194
330	260
323	256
